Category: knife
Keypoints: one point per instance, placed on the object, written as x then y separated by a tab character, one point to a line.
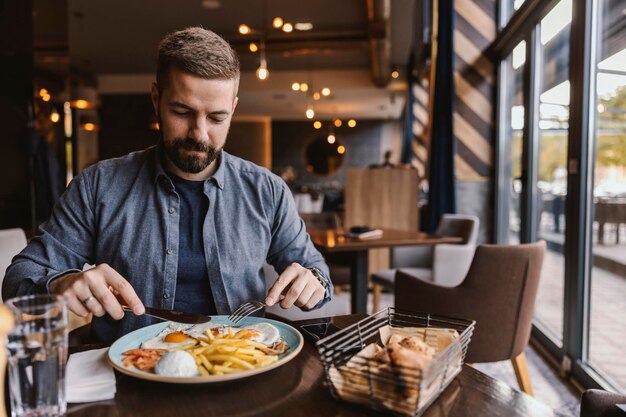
172	315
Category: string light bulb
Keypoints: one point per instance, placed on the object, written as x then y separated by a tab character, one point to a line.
351	122
304	87
316	96
331	138
325	91
337	122
253	47
244	29
287	27
55	116
317	124
295	86
341	149
277	22
262	72
310	113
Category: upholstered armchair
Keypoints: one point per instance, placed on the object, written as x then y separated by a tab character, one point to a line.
442	264
498	292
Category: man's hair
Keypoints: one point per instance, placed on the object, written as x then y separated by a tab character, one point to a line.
199	52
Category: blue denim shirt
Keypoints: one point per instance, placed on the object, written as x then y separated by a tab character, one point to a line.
124	212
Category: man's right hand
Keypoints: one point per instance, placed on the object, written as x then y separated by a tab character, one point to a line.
98	290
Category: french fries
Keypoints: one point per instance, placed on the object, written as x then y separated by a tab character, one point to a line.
230	352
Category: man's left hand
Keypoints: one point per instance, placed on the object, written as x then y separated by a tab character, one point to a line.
300	287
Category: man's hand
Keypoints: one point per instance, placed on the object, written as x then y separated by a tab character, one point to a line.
98	290
299	286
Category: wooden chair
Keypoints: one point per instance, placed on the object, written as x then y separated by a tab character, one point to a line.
498	292
433	263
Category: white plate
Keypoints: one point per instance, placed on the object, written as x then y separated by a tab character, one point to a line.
133	340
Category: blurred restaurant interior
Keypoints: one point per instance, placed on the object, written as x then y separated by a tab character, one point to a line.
384	113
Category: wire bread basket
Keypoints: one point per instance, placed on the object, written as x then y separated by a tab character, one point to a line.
356	377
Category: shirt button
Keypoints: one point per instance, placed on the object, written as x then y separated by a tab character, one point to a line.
170	251
172	210
166	296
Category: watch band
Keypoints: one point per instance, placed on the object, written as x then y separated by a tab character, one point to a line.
320	277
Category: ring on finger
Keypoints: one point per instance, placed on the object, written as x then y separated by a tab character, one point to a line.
88	299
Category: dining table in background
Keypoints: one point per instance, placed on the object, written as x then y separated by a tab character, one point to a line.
298	389
334	241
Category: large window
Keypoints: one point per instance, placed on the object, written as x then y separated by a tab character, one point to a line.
552	135
513	126
562	153
607	321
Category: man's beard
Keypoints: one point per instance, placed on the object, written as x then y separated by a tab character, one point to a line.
194	163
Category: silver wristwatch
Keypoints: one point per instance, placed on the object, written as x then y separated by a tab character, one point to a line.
320	277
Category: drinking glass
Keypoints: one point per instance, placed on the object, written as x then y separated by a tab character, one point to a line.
37	348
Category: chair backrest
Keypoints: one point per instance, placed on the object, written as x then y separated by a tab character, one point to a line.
323	220
449	273
499	292
463	225
12	241
600	403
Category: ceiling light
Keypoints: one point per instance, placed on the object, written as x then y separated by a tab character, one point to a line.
331	138
262	73
81	104
325	91
287	27
54	116
278	22
310	113
253	47
317	124
304	26
211	4
89	127
244	29
341	149
84	98
295	86
304	87
351	122
337	123
316	95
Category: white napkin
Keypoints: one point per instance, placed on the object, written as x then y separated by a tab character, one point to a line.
89	377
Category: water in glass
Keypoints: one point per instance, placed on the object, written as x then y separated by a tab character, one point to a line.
37	357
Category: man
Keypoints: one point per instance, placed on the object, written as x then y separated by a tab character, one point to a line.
182	225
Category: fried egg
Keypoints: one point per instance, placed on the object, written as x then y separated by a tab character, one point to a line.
268	334
173	336
177	363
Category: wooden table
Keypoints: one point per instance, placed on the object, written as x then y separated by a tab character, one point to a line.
331	241
297	389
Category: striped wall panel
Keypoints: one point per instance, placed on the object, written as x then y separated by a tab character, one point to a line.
474	78
420	127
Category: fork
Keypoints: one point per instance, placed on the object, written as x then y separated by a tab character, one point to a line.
244	310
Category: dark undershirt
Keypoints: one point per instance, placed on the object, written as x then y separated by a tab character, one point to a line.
193	289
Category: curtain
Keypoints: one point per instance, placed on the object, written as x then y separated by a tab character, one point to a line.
407	134
442	194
